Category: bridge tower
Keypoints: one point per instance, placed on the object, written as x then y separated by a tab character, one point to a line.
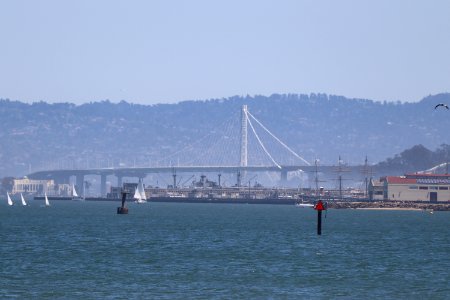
243	162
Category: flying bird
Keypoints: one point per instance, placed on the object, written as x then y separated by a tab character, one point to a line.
441	104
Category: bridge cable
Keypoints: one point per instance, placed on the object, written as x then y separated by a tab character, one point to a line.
260	142
191	146
278	140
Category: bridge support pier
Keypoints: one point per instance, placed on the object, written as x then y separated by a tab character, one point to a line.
283	175
80	184
103	185
119	180
238	178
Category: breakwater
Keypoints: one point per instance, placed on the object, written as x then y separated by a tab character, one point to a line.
349	203
389	205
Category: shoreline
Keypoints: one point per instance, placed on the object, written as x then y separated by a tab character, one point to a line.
332	204
389	208
384	205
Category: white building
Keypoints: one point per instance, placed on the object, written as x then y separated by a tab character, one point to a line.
376	190
39	187
25	185
417	187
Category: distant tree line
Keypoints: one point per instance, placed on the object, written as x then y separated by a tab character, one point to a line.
417	158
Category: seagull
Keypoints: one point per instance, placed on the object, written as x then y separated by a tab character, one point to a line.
441	104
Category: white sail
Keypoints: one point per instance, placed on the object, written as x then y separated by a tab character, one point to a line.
137	195
75	194
46	200
24	203
74	191
9	199
142	191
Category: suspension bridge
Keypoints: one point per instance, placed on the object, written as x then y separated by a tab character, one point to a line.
240	147
240	141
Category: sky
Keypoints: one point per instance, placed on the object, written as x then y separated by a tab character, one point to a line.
167	51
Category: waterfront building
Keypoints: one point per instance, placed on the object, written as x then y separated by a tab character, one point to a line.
376	190
31	186
417	187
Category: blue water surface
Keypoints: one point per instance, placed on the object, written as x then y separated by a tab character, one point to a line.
221	251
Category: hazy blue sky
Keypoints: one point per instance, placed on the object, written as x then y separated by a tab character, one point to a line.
167	51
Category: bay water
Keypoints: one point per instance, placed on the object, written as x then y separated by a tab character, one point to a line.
220	251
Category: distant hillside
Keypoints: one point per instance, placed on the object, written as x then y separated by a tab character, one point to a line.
315	126
417	158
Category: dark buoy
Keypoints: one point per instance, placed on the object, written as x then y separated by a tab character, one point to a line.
122	210
319	207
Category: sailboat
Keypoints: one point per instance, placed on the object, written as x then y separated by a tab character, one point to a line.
24	203
142	191
139	193
10	203
75	195
46	200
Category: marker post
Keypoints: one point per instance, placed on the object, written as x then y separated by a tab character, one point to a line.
319	207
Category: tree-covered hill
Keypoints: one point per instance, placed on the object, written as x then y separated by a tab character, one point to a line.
417	158
41	135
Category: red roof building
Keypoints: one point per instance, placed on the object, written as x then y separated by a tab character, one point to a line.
416	187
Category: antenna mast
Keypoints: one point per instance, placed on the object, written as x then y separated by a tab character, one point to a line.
339	170
244	140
